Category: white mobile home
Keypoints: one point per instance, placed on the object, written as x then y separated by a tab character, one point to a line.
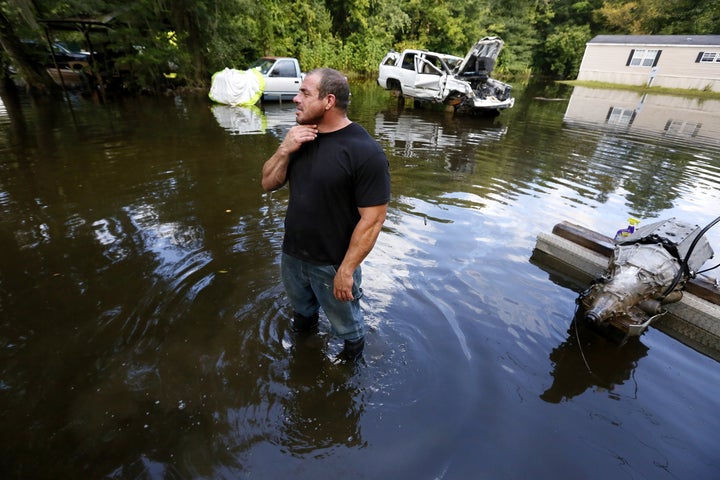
673	61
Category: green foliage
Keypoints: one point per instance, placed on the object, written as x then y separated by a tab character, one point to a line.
564	50
323	55
677	17
352	35
362	55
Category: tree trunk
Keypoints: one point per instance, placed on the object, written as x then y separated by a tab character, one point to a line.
184	18
35	76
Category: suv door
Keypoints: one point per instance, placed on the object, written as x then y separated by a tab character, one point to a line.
407	73
429	78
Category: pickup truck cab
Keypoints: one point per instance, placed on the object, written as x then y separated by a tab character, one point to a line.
282	77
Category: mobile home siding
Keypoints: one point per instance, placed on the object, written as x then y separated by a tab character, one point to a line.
607	59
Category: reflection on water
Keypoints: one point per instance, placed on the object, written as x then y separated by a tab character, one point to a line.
413	135
144	331
322	408
240	120
276	119
587	360
671	119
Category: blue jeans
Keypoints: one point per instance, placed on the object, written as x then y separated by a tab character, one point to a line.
310	287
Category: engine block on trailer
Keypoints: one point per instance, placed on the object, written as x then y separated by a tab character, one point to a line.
645	272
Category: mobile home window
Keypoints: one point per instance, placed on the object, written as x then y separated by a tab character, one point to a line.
643	58
682	127
710	57
620	116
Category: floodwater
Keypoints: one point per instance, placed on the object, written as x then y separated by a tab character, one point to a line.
144	331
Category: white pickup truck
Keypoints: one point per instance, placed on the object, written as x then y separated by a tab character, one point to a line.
282	77
464	83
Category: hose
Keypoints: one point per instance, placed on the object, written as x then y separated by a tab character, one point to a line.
684	269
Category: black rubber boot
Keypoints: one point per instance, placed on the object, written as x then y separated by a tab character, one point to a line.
352	351
303	324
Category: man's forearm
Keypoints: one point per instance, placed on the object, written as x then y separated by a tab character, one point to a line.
361	243
274	171
364	237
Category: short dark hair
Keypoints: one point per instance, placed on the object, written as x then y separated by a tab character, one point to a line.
332	81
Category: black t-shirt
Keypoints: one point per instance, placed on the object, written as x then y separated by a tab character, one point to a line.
330	178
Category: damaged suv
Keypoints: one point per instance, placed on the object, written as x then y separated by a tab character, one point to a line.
464	83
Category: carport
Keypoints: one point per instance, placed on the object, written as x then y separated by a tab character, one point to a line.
87	27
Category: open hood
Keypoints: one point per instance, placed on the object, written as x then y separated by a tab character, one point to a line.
481	58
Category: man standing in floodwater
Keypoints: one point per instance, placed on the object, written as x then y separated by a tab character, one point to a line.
339	191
